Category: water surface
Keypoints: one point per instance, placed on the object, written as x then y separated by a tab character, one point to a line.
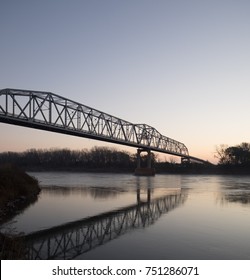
114	216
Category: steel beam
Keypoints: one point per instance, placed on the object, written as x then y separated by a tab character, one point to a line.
49	111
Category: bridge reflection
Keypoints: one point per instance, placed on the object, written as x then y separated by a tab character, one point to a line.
75	238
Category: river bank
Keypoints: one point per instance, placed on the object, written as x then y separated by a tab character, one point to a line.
17	191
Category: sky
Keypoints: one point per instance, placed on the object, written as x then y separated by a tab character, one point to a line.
180	66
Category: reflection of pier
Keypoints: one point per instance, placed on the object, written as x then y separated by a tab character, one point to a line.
75	238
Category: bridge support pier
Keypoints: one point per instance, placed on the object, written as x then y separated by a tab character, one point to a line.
185	161
138	195
144	171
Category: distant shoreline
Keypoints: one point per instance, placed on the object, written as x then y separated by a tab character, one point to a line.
202	170
110	160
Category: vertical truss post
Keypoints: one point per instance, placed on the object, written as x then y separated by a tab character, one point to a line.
6	103
78	116
50	109
34	107
13	102
30	102
65	114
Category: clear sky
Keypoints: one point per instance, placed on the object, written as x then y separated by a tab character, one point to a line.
180	66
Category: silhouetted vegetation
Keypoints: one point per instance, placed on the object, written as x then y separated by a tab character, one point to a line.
15	183
12	247
234	155
96	159
232	160
17	190
64	159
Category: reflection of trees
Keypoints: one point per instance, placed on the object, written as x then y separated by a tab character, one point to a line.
73	239
236	193
95	192
239	197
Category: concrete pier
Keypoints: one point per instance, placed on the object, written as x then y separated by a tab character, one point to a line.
144	171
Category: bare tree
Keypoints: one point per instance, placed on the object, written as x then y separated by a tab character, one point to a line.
221	155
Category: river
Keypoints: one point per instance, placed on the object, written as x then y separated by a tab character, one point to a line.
121	216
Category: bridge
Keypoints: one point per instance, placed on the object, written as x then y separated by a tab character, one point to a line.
79	237
51	112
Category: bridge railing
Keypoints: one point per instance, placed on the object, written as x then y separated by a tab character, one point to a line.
48	111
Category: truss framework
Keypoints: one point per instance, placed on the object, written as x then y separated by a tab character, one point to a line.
48	111
76	238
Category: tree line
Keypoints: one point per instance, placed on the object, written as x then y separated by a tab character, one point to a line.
94	159
59	159
231	159
238	155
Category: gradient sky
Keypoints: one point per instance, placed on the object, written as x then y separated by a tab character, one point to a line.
180	66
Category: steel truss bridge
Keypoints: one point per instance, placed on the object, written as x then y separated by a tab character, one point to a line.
51	112
73	239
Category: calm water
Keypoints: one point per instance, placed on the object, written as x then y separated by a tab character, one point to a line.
114	216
